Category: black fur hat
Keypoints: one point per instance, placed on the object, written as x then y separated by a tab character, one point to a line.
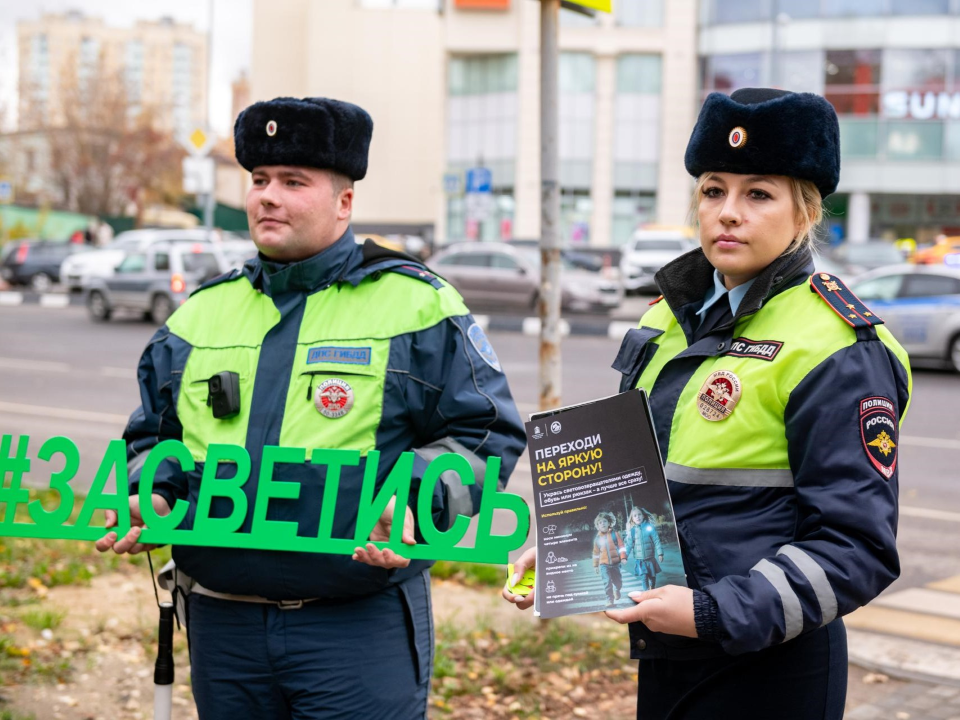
767	132
312	132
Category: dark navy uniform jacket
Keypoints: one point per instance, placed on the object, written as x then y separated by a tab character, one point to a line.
791	524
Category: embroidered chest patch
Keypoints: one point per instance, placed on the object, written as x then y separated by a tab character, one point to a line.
342	355
879	431
760	349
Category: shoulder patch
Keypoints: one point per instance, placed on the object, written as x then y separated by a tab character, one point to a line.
880	434
225	277
842	301
482	345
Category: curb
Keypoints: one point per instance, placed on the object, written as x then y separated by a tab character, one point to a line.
904	658
10	298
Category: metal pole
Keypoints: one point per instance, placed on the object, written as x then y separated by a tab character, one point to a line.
211	199
549	303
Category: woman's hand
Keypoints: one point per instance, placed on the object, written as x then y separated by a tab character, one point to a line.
668	610
524	562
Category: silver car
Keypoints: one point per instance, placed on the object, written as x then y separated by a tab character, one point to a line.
920	304
155	280
647	252
498	275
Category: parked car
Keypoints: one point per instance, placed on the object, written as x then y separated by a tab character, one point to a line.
154	281
648	251
37	262
920	305
860	257
499	275
102	262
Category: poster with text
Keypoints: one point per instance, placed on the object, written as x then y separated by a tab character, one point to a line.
604	521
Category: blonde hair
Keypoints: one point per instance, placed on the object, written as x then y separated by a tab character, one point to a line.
807	205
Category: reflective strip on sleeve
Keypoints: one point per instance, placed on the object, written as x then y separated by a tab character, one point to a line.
459	500
792	612
817	579
738	477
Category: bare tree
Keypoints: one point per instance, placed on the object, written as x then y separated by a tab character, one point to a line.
106	150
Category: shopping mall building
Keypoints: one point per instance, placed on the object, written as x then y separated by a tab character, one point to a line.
453	85
891	68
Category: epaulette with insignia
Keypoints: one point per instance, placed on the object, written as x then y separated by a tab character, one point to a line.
842	301
222	278
419	272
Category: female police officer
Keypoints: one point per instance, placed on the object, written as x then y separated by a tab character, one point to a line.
777	398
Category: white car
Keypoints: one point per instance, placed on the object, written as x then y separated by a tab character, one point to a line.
647	252
76	271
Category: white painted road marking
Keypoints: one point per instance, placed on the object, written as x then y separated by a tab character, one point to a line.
60	413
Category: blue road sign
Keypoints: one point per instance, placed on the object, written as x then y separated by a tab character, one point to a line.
479	180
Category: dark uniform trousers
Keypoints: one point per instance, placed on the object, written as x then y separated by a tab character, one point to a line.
803	679
368	657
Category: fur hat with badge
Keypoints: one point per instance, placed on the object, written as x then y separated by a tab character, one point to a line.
763	131
312	132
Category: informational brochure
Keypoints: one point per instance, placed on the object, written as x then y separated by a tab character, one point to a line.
604	521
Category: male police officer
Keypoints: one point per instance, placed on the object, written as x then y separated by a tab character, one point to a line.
329	344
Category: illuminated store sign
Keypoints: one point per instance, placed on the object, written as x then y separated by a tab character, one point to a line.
922	105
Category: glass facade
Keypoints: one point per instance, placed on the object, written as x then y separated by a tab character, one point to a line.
182	88
722	12
639	13
893	103
482	132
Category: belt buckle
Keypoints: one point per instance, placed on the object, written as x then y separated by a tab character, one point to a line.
289	604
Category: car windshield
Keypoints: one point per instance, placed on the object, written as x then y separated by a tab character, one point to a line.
658	245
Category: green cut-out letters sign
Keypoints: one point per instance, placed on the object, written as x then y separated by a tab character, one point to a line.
265	534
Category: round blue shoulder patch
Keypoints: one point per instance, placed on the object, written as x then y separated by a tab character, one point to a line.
479	340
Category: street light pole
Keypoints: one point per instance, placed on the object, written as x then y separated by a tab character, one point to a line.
549	296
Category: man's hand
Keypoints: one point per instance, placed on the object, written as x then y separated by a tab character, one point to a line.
387	558
524	562
129	543
668	610
660	557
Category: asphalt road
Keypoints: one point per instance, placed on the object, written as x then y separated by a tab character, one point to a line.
60	374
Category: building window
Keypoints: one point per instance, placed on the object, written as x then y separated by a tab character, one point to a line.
577	87
630	211
852	81
797	9
723	12
576	207
858	137
402	4
726	73
920	7
639	13
572	18
482	132
916	70
914	140
800	71
636	150
853	8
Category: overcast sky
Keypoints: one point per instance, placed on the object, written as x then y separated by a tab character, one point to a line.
231	37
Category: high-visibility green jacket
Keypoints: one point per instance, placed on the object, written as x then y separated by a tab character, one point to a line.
355	348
